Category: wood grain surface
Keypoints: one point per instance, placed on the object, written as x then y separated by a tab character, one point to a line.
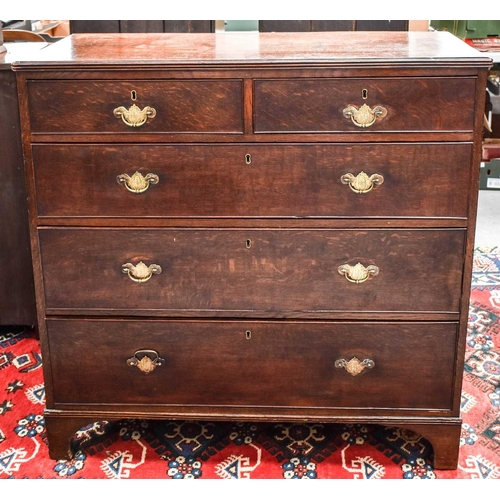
344	49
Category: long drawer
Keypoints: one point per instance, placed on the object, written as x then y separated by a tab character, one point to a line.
316	364
280	272
374	180
391	105
180	106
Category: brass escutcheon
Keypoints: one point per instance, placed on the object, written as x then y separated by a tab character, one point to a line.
354	366
146	360
364	116
140	273
357	273
361	183
134	116
137	183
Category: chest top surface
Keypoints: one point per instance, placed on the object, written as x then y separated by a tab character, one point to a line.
258	49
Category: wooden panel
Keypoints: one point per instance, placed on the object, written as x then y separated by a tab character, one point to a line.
380	25
284	26
81	26
181	105
214	363
283	271
421	180
316	105
141	26
198	26
138	26
344	25
17	301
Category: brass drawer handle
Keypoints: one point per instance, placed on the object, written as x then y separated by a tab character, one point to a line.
361	183
364	116
134	116
137	183
146	360
140	273
354	366
357	273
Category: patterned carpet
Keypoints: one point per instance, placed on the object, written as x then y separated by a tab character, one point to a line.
185	450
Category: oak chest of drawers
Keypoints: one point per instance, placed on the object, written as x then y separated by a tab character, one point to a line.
252	227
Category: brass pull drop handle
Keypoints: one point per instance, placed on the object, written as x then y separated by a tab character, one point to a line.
354	366
357	273
146	360
361	183
137	183
134	116
364	116
140	273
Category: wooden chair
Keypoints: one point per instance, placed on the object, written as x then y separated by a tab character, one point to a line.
21	36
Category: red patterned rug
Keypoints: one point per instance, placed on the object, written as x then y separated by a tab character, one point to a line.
185	450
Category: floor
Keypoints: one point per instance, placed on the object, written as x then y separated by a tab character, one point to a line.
488	218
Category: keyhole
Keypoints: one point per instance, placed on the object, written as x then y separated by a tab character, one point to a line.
248	243
133	95
248	334
248	159
364	94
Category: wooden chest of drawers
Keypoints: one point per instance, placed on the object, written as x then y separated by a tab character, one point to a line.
252	227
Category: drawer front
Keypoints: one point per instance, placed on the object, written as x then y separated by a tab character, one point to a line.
401	365
252	271
321	105
180	106
420	180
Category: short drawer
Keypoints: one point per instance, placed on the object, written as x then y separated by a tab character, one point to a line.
273	364
388	105
352	180
251	272
180	106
